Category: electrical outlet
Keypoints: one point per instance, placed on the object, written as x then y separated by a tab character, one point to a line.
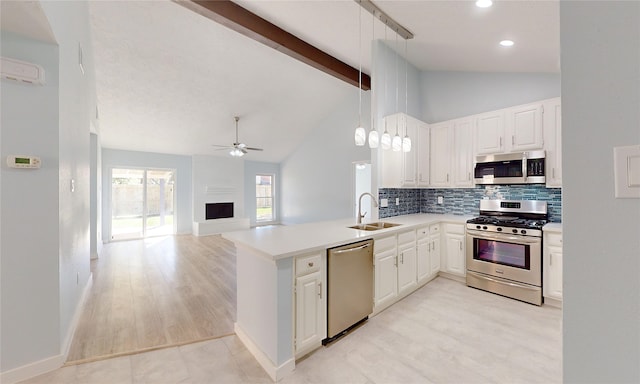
440	200
384	203
397	201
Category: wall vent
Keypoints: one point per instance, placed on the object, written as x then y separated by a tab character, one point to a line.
21	71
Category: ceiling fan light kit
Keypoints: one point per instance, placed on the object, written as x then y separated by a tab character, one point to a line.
238	149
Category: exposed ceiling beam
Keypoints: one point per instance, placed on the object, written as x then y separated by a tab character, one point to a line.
251	25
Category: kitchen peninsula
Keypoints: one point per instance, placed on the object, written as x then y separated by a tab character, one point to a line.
278	326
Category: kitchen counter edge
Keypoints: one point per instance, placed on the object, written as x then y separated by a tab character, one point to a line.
280	242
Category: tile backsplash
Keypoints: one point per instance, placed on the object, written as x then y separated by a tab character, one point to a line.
465	201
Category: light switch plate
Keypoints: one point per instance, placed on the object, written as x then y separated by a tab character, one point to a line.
626	164
384	203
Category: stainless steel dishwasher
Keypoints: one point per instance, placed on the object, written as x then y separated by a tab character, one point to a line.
349	287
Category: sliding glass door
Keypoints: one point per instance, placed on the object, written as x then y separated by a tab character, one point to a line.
142	203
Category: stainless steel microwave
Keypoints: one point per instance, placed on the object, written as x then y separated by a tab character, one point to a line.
510	168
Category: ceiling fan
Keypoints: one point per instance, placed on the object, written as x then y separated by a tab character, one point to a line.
238	149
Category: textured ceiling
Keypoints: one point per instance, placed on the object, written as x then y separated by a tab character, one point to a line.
170	80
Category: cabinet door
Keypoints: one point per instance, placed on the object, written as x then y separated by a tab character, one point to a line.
309	311
552	126
553	263
463	158
440	155
423	261
391	162
406	268
409	126
489	135
434	254
422	152
386	277
455	254
526	127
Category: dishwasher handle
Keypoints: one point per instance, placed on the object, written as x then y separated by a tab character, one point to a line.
346	250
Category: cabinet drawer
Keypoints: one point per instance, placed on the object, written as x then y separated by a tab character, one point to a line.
455	228
383	244
422	232
406	237
435	228
554	239
308	264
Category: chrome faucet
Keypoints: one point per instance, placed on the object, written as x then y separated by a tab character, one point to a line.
360	214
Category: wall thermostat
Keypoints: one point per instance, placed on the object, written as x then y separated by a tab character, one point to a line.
23	161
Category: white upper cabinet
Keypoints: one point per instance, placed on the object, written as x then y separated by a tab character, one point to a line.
405	169
423	150
441	151
489	135
463	154
525	127
552	122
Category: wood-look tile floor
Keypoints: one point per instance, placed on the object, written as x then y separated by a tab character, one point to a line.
444	332
157	292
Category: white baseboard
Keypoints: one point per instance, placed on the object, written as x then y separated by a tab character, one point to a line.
32	370
54	362
275	372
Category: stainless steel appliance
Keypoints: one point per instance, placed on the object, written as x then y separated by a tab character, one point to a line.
504	248
349	287
510	168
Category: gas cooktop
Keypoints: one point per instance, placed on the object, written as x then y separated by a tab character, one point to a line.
525	217
508	221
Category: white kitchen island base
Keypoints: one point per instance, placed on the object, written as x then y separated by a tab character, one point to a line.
275	372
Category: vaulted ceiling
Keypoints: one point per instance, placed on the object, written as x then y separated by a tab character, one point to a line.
170	80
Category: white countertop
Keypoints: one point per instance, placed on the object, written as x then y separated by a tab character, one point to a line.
552	227
282	241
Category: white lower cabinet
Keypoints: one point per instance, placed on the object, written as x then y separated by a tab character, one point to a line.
386	271
454	262
428	252
310	300
552	266
407	277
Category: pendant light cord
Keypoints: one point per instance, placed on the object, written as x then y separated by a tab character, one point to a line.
406	80
360	67
397	81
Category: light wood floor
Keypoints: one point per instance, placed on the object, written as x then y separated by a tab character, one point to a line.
444	333
157	292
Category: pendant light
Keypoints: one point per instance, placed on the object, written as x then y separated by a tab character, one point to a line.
360	135
385	140
396	144
406	141
374	139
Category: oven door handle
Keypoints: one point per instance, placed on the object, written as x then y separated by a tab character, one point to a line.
503	237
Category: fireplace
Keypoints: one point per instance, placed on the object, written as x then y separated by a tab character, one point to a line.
218	211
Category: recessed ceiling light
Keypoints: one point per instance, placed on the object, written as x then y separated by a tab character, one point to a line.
506	43
484	3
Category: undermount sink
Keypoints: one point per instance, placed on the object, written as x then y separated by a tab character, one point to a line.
374	226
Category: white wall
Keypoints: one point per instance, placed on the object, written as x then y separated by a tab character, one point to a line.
223	173
600	110
449	95
77	97
251	169
29	246
317	178
114	158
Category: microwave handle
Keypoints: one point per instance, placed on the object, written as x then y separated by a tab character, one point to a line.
524	166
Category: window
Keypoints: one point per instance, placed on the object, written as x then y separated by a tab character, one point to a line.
264	198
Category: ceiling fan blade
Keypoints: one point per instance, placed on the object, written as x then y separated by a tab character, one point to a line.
254	149
223	149
221	146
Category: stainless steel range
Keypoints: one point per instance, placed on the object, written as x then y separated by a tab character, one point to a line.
504	248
